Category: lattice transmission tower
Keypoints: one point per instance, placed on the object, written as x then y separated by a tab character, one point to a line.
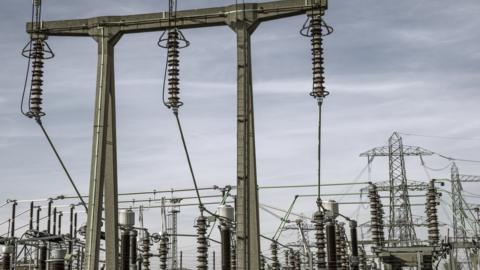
400	225
460	209
459	224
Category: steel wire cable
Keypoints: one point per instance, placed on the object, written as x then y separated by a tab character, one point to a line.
462	211
23	226
5	203
16	216
457	159
224	199
172	44
39	122
36	52
356	179
319	154
424	164
187	155
5	222
471	193
440	137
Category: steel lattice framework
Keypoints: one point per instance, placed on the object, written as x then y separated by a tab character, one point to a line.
459	225
400	211
459	206
400	225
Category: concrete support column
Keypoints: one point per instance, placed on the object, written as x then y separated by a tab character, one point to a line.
103	176
247	216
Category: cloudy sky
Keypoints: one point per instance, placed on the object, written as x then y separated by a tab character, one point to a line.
407	66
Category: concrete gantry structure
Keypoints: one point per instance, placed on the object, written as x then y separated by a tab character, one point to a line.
107	31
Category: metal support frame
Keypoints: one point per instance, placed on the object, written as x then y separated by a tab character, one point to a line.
107	30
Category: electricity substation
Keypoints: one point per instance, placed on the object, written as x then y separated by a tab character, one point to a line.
105	229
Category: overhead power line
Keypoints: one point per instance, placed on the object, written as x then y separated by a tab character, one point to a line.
441	137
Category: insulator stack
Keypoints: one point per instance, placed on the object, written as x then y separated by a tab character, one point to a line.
318	219
42	257
6	261
54	225
331	244
49	216
133	250
37	79
12	220
7	257
234	255
262	262
362	260
70	233
287	262
163	251
60	215
37	50
432	216
318	90
291	260
173	70
376	216
298	261
202	245
338	246
381	212
275	262
81	258
125	249
226	247
354	258
344	249
427	262
37	226
57	260
145	247
30	223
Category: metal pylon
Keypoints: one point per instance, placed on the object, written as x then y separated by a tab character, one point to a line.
459	231
174	225
459	223
401	225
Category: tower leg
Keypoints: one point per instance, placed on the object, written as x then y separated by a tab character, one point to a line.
247	217
103	175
